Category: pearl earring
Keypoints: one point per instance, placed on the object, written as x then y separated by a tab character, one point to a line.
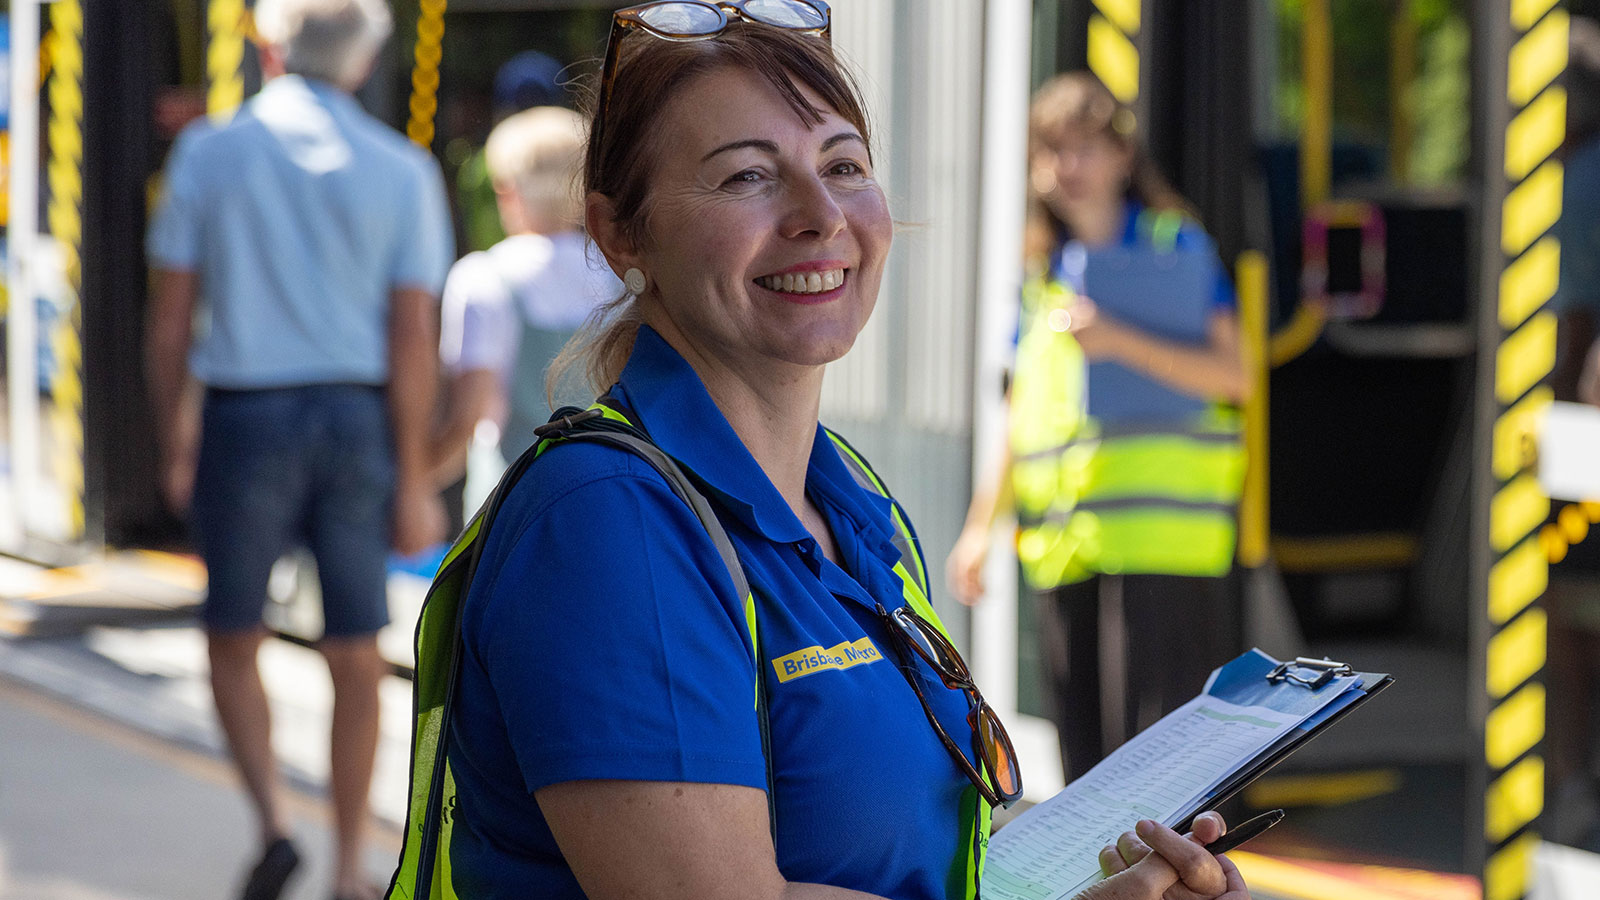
1043	180
634	281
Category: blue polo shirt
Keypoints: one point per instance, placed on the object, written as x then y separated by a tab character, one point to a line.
604	640
300	215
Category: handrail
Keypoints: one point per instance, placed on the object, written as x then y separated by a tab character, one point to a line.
1254	521
1296	337
1316	163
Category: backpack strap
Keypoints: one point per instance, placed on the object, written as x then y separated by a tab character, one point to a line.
433	700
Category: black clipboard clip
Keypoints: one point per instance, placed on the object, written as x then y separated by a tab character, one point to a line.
1321	671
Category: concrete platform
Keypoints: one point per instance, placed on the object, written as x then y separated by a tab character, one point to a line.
91	810
154	680
114	783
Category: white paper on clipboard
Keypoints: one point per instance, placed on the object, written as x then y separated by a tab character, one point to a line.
1569	452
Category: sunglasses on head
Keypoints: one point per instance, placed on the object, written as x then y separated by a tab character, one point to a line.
995	754
698	20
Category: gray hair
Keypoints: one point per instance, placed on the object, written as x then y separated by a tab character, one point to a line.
539	153
329	40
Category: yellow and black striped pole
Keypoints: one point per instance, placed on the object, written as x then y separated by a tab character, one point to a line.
64	215
425	72
1521	356
1113	46
225	38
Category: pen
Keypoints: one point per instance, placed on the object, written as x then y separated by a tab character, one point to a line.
1246	831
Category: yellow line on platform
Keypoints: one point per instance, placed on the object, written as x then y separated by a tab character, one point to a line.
1321	790
1323	554
1296	880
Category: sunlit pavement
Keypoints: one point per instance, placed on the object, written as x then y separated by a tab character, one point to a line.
93	810
113	779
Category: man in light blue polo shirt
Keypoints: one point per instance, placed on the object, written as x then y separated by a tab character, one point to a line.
297	256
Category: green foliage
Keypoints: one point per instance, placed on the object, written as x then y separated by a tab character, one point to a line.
1289	94
1439	96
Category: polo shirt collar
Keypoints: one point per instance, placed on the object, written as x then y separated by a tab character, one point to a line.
870	515
326	93
1130	223
671	403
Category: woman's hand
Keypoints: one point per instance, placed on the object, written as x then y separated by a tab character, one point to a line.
1098	334
1212	370
963	569
1154	862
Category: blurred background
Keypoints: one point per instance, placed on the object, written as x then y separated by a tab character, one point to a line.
1437	154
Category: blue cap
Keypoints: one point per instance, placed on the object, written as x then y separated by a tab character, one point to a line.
527	80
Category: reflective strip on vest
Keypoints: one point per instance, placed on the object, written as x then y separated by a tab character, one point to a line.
438	634
1146	498
976	816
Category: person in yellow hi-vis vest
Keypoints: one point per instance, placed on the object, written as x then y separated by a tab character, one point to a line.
1124	463
696	659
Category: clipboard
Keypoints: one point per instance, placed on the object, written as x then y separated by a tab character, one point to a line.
1165	293
1254	712
1168	293
1311	675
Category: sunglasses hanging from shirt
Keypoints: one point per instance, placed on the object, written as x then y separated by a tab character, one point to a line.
995	753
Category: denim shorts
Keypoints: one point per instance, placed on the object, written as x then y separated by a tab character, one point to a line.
281	468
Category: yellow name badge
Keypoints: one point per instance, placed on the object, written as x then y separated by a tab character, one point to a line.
819	659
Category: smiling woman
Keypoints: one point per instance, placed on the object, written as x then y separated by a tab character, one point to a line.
648	76
755	209
603	741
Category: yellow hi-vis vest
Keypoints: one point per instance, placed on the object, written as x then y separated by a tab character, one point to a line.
1154	498
424	868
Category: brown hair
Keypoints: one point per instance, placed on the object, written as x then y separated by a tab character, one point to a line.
650	72
1078	103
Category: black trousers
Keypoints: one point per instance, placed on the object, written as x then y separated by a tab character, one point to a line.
1121	651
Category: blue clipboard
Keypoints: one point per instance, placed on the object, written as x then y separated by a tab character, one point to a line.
1170	778
1322	690
1168	294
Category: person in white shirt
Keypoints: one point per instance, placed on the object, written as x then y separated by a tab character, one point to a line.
508	310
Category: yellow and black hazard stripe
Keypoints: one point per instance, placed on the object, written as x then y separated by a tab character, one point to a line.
226	24
425	71
64	175
1113	46
1519	573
